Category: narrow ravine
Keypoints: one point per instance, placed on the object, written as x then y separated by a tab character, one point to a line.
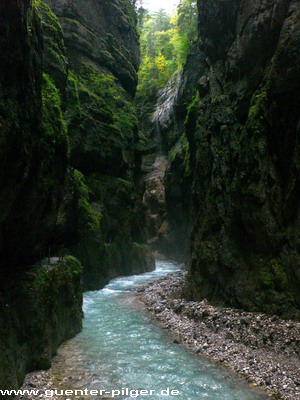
121	348
135	130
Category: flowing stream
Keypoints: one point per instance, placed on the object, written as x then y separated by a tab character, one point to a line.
121	348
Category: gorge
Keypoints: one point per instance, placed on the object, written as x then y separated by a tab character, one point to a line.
199	163
126	351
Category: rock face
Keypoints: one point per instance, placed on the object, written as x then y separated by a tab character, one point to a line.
173	105
33	152
69	169
38	312
100	218
39	306
243	135
154	201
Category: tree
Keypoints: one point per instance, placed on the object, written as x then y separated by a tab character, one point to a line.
165	44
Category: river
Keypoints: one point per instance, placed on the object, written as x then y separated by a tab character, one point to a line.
120	348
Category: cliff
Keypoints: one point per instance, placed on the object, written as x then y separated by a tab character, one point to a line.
174	102
39	310
34	147
40	306
242	131
100	217
70	161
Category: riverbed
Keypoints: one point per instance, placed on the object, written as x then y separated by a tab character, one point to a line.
121	353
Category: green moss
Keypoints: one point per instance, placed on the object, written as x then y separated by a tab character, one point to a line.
50	21
89	220
180	153
140	254
57	274
257	103
41	279
179	148
274	295
51	27
73	264
54	138
221	99
273	275
54	124
104	186
81	187
54	56
187	164
192	106
112	98
256	113
74	106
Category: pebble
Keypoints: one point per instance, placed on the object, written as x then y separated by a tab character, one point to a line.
249	343
264	349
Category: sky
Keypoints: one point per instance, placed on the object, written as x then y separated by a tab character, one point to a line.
155	5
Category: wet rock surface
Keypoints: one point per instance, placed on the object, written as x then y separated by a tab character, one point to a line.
70	166
230	122
263	349
101	215
154	201
243	136
41	310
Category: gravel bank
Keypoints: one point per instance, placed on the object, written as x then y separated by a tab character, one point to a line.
263	349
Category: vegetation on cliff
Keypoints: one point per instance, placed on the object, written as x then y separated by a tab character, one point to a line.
245	209
165	44
96	221
43	308
226	92
69	169
233	148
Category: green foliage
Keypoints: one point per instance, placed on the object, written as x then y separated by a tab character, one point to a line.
60	273
158	54
187	15
273	275
74	265
165	44
41	279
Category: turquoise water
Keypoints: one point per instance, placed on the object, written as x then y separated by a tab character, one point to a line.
120	348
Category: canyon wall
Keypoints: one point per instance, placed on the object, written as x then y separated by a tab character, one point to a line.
241	152
40	306
34	145
70	169
101	217
39	309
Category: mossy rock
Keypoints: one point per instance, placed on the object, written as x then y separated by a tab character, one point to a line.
55	61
